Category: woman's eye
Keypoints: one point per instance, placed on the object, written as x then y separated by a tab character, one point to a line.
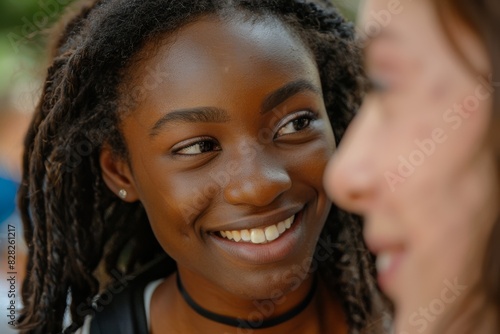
377	85
297	124
199	147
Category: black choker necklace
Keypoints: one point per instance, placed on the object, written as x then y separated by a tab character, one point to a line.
244	323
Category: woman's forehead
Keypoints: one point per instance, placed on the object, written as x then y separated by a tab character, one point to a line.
211	57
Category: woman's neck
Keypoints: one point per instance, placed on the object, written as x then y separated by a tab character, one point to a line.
170	311
470	317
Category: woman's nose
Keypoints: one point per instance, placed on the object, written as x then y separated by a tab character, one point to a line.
260	181
351	174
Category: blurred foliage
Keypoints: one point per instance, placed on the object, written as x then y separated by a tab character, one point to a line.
348	7
23	24
11	11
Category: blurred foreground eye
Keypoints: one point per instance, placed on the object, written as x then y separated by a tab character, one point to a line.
378	85
199	147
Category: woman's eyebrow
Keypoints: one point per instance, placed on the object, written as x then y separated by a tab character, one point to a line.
191	115
277	97
217	115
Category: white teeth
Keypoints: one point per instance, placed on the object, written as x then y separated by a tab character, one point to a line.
245	235
281	227
259	235
272	233
384	261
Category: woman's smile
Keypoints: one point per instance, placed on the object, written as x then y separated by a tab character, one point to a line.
260	228
259	235
266	243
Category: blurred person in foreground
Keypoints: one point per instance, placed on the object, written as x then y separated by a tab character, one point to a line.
420	162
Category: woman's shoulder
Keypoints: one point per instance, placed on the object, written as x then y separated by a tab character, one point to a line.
148	293
124	305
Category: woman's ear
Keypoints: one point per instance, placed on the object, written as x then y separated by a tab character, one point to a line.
117	175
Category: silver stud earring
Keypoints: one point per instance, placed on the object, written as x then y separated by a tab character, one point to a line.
122	193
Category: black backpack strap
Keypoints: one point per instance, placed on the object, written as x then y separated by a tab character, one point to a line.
125	313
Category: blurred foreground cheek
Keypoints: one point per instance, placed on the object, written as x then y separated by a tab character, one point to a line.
328	178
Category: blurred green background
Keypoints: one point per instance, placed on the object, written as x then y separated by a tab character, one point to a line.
22	59
23	23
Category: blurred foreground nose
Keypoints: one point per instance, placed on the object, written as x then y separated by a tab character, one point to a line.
350	177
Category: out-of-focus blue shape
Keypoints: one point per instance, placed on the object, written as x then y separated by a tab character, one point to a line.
8	217
8	191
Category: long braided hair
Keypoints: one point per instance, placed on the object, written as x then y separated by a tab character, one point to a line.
75	225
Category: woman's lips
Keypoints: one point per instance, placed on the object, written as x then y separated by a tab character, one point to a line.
390	250
266	244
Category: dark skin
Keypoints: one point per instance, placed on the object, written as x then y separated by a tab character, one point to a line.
233	134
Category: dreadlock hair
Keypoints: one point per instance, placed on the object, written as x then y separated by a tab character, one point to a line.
75	225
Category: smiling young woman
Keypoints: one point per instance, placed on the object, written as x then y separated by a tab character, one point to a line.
199	130
421	163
